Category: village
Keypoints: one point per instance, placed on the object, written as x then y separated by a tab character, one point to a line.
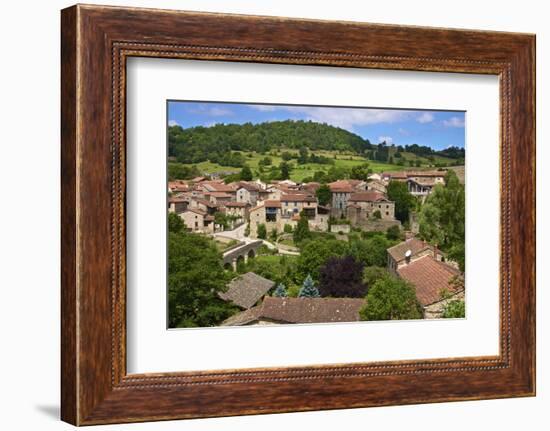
250	218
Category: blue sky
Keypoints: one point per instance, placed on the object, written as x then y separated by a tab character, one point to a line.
436	129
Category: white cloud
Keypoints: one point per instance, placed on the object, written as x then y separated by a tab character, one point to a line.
214	111
173	123
387	139
403	132
264	108
454	122
425	117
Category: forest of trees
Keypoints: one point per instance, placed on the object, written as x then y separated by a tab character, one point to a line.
220	143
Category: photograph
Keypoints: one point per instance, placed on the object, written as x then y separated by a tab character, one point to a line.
299	214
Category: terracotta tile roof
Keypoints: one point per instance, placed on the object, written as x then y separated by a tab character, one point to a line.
215	186
272	204
206	203
178	199
220	194
244	317
313	310
340	186
298	198
413	244
236	204
401	175
370	196
424	181
247	289
302	310
251	187
196	211
198	179
429	278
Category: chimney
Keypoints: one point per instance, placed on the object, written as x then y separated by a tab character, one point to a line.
408	254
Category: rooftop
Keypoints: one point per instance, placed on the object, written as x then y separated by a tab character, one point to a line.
429	277
370	196
413	244
301	310
247	289
298	198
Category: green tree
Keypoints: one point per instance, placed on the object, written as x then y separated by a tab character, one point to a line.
377	215
262	231
195	276
397	192
246	174
286	156
222	219
302	231
372	251
391	299
175	223
323	194
315	253
442	217
393	233
287	228
303	156
273	234
308	289
371	274
285	170
360	172
280	291
454	310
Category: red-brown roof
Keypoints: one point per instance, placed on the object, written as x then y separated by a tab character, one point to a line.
206	203
298	198
272	204
340	186
251	187
429	277
300	310
196	211
370	196
413	244
236	204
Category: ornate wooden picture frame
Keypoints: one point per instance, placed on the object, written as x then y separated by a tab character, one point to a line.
96	41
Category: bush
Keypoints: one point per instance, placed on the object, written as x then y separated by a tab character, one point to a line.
287	228
391	299
454	310
262	231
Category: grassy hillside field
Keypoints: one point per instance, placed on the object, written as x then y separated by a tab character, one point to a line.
299	172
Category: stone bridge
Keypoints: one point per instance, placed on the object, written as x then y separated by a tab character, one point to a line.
241	253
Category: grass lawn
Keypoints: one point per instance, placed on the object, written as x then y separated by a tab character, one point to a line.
345	160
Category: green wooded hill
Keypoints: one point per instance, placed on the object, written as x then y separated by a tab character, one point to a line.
197	144
220	142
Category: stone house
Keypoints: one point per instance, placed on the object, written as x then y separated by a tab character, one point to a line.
177	204
197	220
293	204
409	251
248	192
218	197
237	209
341	191
203	205
363	205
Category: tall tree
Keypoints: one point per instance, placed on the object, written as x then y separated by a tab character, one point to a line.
302	231
246	174
442	217
341	277
308	289
285	170
360	172
323	194
391	299
397	192
195	276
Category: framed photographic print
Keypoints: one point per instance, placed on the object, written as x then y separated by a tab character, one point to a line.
263	207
